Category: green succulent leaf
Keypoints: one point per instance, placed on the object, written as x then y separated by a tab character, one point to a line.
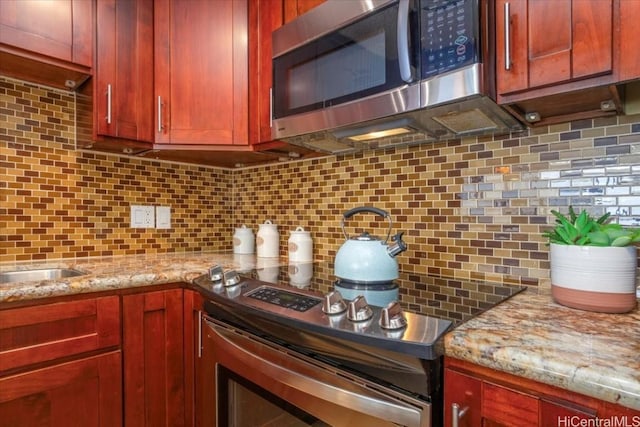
583	229
599	238
621	241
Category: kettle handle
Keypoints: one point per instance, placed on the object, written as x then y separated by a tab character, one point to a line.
351	212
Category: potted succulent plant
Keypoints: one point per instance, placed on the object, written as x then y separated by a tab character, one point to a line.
593	263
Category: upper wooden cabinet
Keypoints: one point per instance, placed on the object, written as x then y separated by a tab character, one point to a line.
123	92
264	17
559	61
47	42
172	72
581	45
295	8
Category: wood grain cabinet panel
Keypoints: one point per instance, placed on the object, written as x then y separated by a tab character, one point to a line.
85	392
61	29
123	84
581	46
172	73
43	333
153	359
492	398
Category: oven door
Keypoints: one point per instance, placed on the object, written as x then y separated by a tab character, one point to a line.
257	382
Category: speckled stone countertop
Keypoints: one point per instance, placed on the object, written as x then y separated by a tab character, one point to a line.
109	273
528	335
594	354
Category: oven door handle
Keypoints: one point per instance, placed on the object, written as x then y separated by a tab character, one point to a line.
257	361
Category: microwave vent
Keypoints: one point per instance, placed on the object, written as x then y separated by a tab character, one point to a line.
467	121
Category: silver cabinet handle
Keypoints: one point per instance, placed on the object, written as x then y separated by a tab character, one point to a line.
108	104
200	320
270	107
159	114
507	36
457	413
403	41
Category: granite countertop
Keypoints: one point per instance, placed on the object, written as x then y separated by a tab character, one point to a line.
528	335
594	354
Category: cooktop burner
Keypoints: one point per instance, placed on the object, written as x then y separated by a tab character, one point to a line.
447	298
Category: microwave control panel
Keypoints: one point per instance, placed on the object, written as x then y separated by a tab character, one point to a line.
449	35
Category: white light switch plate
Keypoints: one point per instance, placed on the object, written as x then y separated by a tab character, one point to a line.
163	217
142	216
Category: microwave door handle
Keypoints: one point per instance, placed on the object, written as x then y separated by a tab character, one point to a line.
403	41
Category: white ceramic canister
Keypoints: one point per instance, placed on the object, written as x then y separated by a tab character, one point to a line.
268	240
300	246
243	240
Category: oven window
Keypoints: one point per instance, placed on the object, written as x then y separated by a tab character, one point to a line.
244	404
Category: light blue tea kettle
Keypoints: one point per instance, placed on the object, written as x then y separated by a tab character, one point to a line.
365	258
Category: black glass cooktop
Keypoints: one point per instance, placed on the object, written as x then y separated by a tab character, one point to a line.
452	299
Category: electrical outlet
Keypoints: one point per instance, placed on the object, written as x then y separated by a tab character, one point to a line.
142	216
163	217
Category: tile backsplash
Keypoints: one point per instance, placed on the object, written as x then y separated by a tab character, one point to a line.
470	208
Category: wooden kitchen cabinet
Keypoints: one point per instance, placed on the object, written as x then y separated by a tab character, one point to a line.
60	29
60	364
48	42
177	70
153	358
265	16
193	305
581	45
572	75
295	8
486	397
123	84
85	392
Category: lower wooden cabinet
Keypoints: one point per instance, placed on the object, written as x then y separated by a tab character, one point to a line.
60	364
153	359
85	392
479	396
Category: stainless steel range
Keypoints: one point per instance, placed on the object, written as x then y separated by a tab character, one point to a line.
296	353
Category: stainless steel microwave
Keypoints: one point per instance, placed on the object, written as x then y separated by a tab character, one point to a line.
352	69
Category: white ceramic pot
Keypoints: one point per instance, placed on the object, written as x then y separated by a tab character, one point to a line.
243	240
267	240
594	278
300	246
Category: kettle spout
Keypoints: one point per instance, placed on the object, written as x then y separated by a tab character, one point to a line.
398	245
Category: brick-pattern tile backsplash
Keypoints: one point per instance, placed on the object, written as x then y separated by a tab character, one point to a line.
472	208
56	202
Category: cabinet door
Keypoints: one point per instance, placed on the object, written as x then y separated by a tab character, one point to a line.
84	393
466	392
32	335
562	414
123	94
295	8
581	45
201	71
193	304
265	16
506	407
153	358
629	35
61	29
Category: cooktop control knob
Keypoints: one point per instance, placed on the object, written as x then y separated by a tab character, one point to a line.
358	310
392	317
216	273
333	303
231	278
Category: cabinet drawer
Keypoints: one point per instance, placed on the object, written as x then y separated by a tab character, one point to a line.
41	333
509	407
